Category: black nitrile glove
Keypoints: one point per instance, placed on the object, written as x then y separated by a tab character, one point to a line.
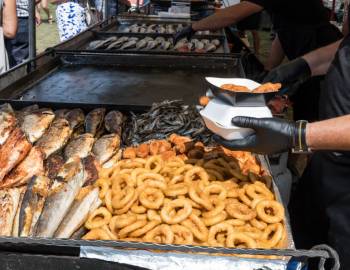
272	135
288	74
186	32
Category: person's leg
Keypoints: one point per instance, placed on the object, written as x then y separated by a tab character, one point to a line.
45	7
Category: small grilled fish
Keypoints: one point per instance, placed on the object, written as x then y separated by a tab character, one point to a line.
9	200
159	40
169	29
166	45
180	44
94	120
79	146
55	137
141	44
35	123
114	122
210	47
32	164
75	118
216	42
32	204
115	44
151	44
78	214
95	44
53	164
7	122
13	151
129	44
61	113
15	225
161	29
113	160
105	147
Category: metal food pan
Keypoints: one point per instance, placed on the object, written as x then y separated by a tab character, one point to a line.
103	78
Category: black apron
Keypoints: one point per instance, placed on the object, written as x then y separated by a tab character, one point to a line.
297	41
320	208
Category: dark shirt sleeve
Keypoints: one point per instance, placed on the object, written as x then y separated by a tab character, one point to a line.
263	3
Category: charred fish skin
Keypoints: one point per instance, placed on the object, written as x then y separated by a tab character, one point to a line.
53	164
78	214
32	164
55	137
35	123
114	121
79	146
32	204
75	118
94	120
13	151
15	226
58	203
91	169
9	200
105	147
8	122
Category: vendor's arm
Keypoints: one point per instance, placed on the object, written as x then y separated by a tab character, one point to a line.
9	20
227	16
332	134
276	55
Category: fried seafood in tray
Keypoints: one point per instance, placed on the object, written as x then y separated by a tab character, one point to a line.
178	191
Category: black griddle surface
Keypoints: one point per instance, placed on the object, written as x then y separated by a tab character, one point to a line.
123	85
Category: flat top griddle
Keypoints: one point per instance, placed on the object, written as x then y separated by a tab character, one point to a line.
138	85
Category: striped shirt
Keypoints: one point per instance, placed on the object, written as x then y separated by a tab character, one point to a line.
22	8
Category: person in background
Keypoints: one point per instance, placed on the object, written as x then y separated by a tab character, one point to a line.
70	18
44	5
8	28
301	26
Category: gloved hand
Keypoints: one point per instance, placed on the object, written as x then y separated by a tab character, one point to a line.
294	71
272	135
186	32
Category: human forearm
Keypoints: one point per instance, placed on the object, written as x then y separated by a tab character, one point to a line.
320	60
227	16
9	19
276	55
332	134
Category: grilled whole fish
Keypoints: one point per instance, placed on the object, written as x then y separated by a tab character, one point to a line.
13	151
141	44
78	214
55	137
7	122
32	164
15	225
113	160
53	164
61	113
105	147
94	120
91	169
79	146
114	121
9	200
75	118
58	203
32	204
35	123
129	44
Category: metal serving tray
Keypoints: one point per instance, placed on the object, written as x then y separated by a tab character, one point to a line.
79	77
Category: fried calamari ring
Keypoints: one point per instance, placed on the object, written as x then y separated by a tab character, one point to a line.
250	231
216	189
149	226
103	184
161	234
196	171
101	216
235	222
181	215
142	178
153	215
154	164
97	234
151	198
218	229
272	235
123	197
107	172
176	179
141	216
243	197
240	211
176	190
121	181
240	240
197	227
108	200
127	206
219	206
183	169
135	173
255	191
210	221
138	209
121	221
193	203
182	235
132	227
270	211
196	212
261	225
205	202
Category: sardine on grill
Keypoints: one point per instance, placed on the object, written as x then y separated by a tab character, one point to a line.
105	147
114	121
79	146
75	118
129	44
94	120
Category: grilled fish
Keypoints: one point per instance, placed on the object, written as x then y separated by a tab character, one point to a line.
75	118
30	108
78	214
159	40
53	164
216	42
35	123
13	151
151	44
33	164
165	45
55	137
129	44
118	43
105	147
15	225
32	204
9	200
94	120
210	47
141	44
113	160
61	113
7	122
59	201
79	146
114	121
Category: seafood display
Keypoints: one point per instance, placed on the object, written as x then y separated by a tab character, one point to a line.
46	159
159	43
162	120
177	191
264	88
